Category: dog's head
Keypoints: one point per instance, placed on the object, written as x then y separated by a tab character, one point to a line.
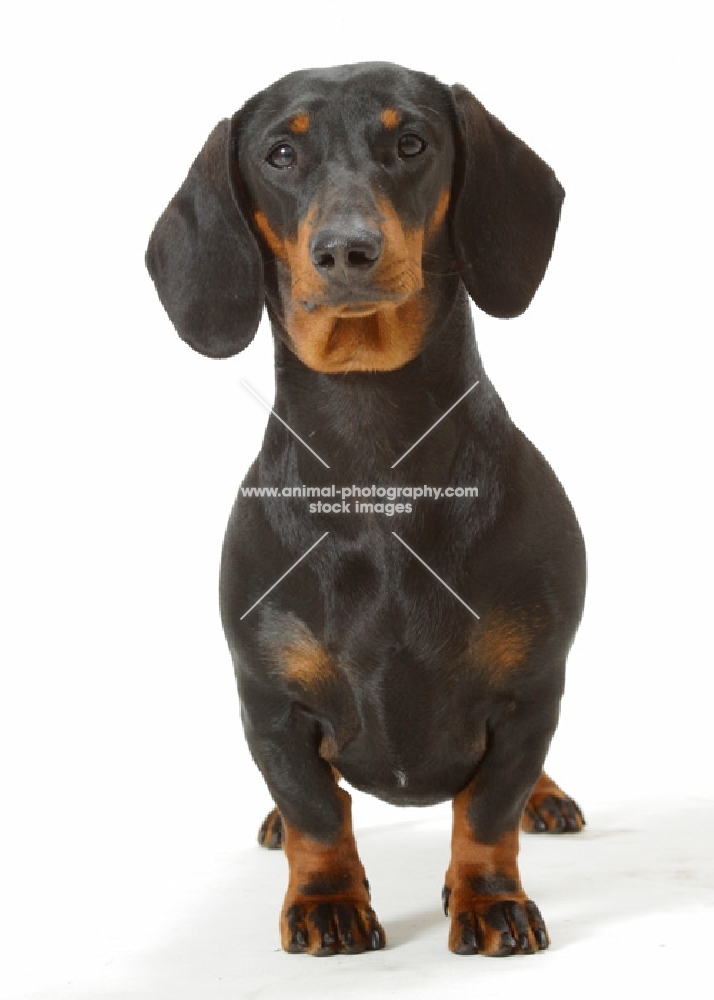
348	199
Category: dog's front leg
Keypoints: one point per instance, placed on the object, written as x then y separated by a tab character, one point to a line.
489	910
327	904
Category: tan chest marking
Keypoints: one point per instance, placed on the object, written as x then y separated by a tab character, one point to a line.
504	641
304	661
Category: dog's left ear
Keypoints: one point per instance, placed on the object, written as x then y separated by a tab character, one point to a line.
204	259
506	211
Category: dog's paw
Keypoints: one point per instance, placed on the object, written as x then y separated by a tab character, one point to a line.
330	927
554	812
271	833
550	810
497	928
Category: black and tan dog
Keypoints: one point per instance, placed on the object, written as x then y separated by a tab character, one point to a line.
363	205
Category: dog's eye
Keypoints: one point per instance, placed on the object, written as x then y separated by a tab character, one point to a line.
411	144
281	156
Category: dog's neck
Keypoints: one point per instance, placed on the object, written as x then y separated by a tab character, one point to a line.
361	423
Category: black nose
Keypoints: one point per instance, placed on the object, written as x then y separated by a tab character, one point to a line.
344	252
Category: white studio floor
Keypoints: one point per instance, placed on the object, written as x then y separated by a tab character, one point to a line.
629	905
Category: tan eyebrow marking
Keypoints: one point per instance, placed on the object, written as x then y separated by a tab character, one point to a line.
300	123
389	118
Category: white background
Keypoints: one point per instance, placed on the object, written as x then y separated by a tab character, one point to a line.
130	803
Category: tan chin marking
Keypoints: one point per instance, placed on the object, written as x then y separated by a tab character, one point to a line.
382	341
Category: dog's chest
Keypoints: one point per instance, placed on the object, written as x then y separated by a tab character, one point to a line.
405	728
399	712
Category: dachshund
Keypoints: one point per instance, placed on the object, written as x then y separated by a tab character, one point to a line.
415	648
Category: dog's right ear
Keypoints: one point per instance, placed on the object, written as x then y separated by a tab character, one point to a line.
203	258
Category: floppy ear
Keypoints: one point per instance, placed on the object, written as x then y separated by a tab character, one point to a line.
204	259
506	211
